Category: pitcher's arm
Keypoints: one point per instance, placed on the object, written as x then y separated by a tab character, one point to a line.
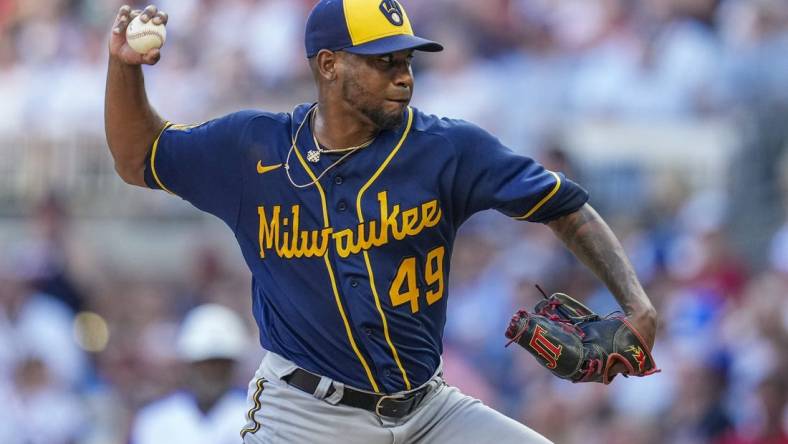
130	122
592	241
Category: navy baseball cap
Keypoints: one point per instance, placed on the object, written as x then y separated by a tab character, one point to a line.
362	27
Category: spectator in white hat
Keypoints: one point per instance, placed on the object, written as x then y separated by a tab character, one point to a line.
209	409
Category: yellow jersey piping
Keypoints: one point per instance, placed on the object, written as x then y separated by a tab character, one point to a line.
255	408
153	158
545	199
366	254
331	273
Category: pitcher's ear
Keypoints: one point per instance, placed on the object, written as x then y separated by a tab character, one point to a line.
326	64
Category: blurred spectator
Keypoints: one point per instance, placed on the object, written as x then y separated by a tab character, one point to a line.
48	255
769	426
699	414
209	409
37	409
35	323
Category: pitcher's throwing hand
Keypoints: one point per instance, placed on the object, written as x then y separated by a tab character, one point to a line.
119	46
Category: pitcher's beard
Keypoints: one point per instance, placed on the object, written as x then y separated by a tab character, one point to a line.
382	119
358	97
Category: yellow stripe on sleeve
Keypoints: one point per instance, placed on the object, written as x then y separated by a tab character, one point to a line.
153	158
545	199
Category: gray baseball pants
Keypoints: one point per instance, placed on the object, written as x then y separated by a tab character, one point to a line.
280	413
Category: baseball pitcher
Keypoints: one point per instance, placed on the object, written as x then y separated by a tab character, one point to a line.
346	210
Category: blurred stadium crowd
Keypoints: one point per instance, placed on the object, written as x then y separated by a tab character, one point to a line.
85	343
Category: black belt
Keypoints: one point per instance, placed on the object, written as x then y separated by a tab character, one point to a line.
392	406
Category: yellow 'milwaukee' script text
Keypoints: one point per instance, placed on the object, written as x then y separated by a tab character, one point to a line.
288	240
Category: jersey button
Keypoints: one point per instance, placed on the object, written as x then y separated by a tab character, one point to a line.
338	180
354	284
342	206
368	331
388	373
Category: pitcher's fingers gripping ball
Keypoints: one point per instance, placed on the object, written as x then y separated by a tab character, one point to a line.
577	344
147	31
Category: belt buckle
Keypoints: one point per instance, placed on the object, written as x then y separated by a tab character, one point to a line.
379	403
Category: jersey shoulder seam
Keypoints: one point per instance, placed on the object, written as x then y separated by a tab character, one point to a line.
435	133
259	114
241	136
442	134
457	154
255	114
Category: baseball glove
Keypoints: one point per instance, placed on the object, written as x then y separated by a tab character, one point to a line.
577	344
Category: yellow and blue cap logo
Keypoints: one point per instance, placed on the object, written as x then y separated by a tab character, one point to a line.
362	27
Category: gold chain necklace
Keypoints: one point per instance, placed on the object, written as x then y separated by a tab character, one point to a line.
350	151
314	155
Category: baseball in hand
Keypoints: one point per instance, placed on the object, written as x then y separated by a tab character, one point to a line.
142	37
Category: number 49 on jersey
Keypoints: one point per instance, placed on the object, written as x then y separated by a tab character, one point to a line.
404	289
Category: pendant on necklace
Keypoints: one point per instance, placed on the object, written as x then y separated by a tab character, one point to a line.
313	156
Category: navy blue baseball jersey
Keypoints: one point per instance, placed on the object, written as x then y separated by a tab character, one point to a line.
350	275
